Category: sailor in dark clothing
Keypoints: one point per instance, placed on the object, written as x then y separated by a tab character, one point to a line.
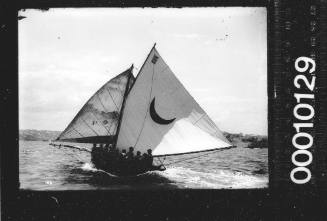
136	163
123	154
130	160
109	155
148	162
116	151
106	147
149	158
144	161
130	154
96	155
121	160
138	156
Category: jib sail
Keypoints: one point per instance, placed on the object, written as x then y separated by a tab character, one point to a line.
98	119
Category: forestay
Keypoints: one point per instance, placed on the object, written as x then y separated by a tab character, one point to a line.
160	114
97	121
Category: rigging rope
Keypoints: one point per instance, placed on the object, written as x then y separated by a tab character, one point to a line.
147	109
161	162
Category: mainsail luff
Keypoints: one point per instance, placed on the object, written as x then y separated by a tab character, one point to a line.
127	89
160	138
138	73
100	113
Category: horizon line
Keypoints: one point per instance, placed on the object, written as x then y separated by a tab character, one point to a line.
221	131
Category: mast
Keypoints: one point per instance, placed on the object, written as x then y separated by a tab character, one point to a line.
126	92
123	104
143	64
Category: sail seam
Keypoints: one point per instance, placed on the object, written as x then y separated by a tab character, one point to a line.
164	69
112	123
112	99
89	127
118	108
77	131
68	133
101	123
98	96
198	119
123	91
215	133
121	104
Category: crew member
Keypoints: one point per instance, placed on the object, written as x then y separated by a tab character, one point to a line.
138	156
130	154
123	154
148	159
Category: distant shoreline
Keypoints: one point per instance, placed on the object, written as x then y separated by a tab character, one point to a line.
238	139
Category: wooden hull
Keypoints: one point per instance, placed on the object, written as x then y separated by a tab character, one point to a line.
103	161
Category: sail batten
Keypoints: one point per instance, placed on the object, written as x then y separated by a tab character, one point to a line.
99	115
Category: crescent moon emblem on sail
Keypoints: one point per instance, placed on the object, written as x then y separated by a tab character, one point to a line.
155	116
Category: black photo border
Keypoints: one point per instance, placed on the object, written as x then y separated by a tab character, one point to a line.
177	204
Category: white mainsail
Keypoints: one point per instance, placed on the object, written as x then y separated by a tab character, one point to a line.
159	114
98	119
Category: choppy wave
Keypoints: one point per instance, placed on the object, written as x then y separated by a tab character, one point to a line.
46	168
215	179
189	178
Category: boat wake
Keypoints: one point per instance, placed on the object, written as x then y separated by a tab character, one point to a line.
189	178
90	167
105	180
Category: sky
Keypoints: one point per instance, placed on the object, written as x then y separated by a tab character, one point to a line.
219	55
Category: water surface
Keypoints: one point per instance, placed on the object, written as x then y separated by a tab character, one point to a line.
44	167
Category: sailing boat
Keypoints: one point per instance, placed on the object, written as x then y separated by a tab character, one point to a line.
152	111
